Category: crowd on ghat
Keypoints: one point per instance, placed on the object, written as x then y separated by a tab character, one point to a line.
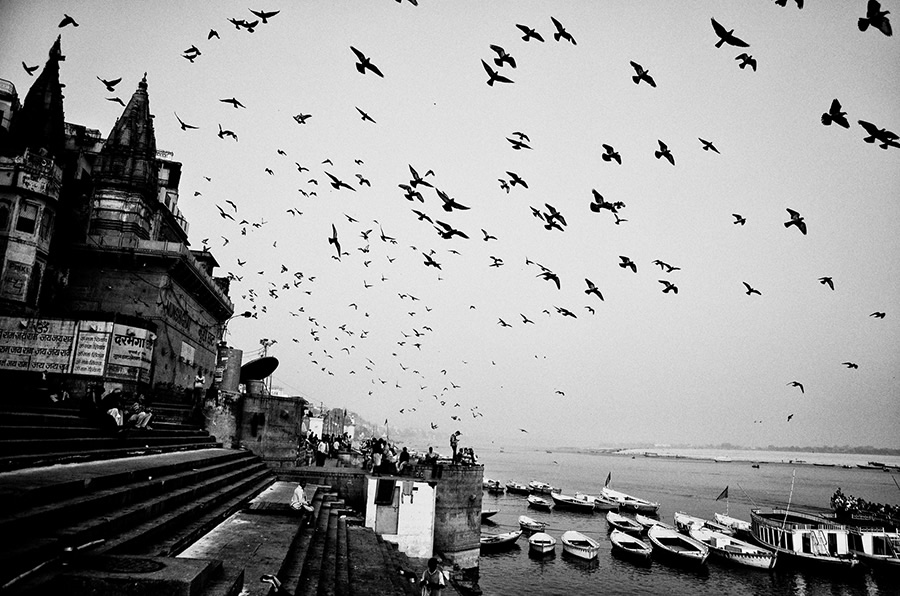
842	503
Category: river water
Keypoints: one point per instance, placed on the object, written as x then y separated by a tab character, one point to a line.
678	484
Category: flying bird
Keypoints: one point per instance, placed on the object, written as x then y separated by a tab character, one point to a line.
784	3
666	267
226	133
495	77
627	263
642	75
739	219
117	100
850	364
503	323
334	240
886	137
224	214
264	16
212	33
487	236
561	32
364	63
796	220
592	289
515	179
836	115
827	281
338	184
30	69
529	33
449	202
874	16
67	20
417	180
877	315
789	417
746	60
664	152
183	125
610	154
708	145
669	286
550	276
233	102
365	117
503	57
518	144
446	231
797	384
728	37
751	291
110	85
302	118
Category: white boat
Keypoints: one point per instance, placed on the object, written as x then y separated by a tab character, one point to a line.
486	513
539	503
619	522
541	488
803	538
677	547
649	522
531	525
732	550
628	546
630	503
739	526
877	549
601	503
684	523
579	545
516	489
541	543
570	503
499	541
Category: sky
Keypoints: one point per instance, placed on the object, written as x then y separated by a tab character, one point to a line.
706	365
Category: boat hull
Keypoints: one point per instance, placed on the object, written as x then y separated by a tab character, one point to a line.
539	503
623	524
731	550
676	548
802	539
494	542
541	544
629	547
571	503
579	545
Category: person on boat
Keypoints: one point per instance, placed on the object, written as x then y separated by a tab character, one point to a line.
432	582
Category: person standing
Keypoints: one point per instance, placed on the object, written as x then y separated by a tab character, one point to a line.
321	453
432	582
454	442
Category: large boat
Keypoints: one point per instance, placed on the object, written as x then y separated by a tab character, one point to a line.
630	547
561	501
541	543
619	522
541	488
802	537
877	549
539	503
490	542
684	523
515	488
601	503
531	525
629	503
579	545
676	547
730	549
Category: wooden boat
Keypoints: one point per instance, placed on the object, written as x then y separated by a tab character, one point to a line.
732	550
630	547
541	543
629	503
684	523
601	503
877	549
499	541
619	522
676	547
561	501
541	488
579	545
515	488
488	482
802	538
531	525
487	513
649	522
539	503
493	486
740	527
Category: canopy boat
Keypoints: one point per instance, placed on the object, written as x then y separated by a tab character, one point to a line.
677	547
494	486
729	548
539	503
877	549
486	513
579	545
541	543
740	527
562	501
619	522
541	488
630	547
531	525
802	537
629	503
516	489
601	503
491	542
684	523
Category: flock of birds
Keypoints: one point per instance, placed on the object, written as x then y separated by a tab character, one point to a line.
434	206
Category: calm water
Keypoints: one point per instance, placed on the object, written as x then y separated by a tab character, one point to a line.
678	485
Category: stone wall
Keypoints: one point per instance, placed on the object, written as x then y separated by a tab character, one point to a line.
457	520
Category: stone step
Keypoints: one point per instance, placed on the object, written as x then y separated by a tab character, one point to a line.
31	460
328	568
309	577
368	572
292	568
126	439
85	431
342	578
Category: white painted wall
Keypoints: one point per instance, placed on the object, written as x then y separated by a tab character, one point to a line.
415	526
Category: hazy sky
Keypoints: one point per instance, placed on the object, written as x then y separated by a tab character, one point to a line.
700	366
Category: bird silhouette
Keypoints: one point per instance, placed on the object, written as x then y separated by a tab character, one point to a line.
561	32
446	231
592	289
338	184
726	36
751	291
529	33
487	236
365	117
110	85
669	286
610	154
264	16
550	276
746	60
708	146
627	263
739	219
874	16
886	137
518	144
224	214
642	75
449	202
494	76
515	179
212	33
784	3
334	240
502	57
503	323
664	152
67	20
796	220
789	417
233	102
797	384
525	320
302	118
666	267
850	364
183	125
877	315
226	133
834	114
363	63
565	312
827	281
419	180
30	69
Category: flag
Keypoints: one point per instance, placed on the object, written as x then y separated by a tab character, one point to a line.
723	494
385	421
608	478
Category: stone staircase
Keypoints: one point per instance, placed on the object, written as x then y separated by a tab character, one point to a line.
60	433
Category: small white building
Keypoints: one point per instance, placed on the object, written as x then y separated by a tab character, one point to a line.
402	510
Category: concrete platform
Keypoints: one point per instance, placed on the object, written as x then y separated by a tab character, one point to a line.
136	576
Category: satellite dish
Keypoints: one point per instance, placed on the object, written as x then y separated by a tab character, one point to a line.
258	369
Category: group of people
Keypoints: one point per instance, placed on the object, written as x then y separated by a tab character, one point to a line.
325	447
384	458
464	456
116	410
842	503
